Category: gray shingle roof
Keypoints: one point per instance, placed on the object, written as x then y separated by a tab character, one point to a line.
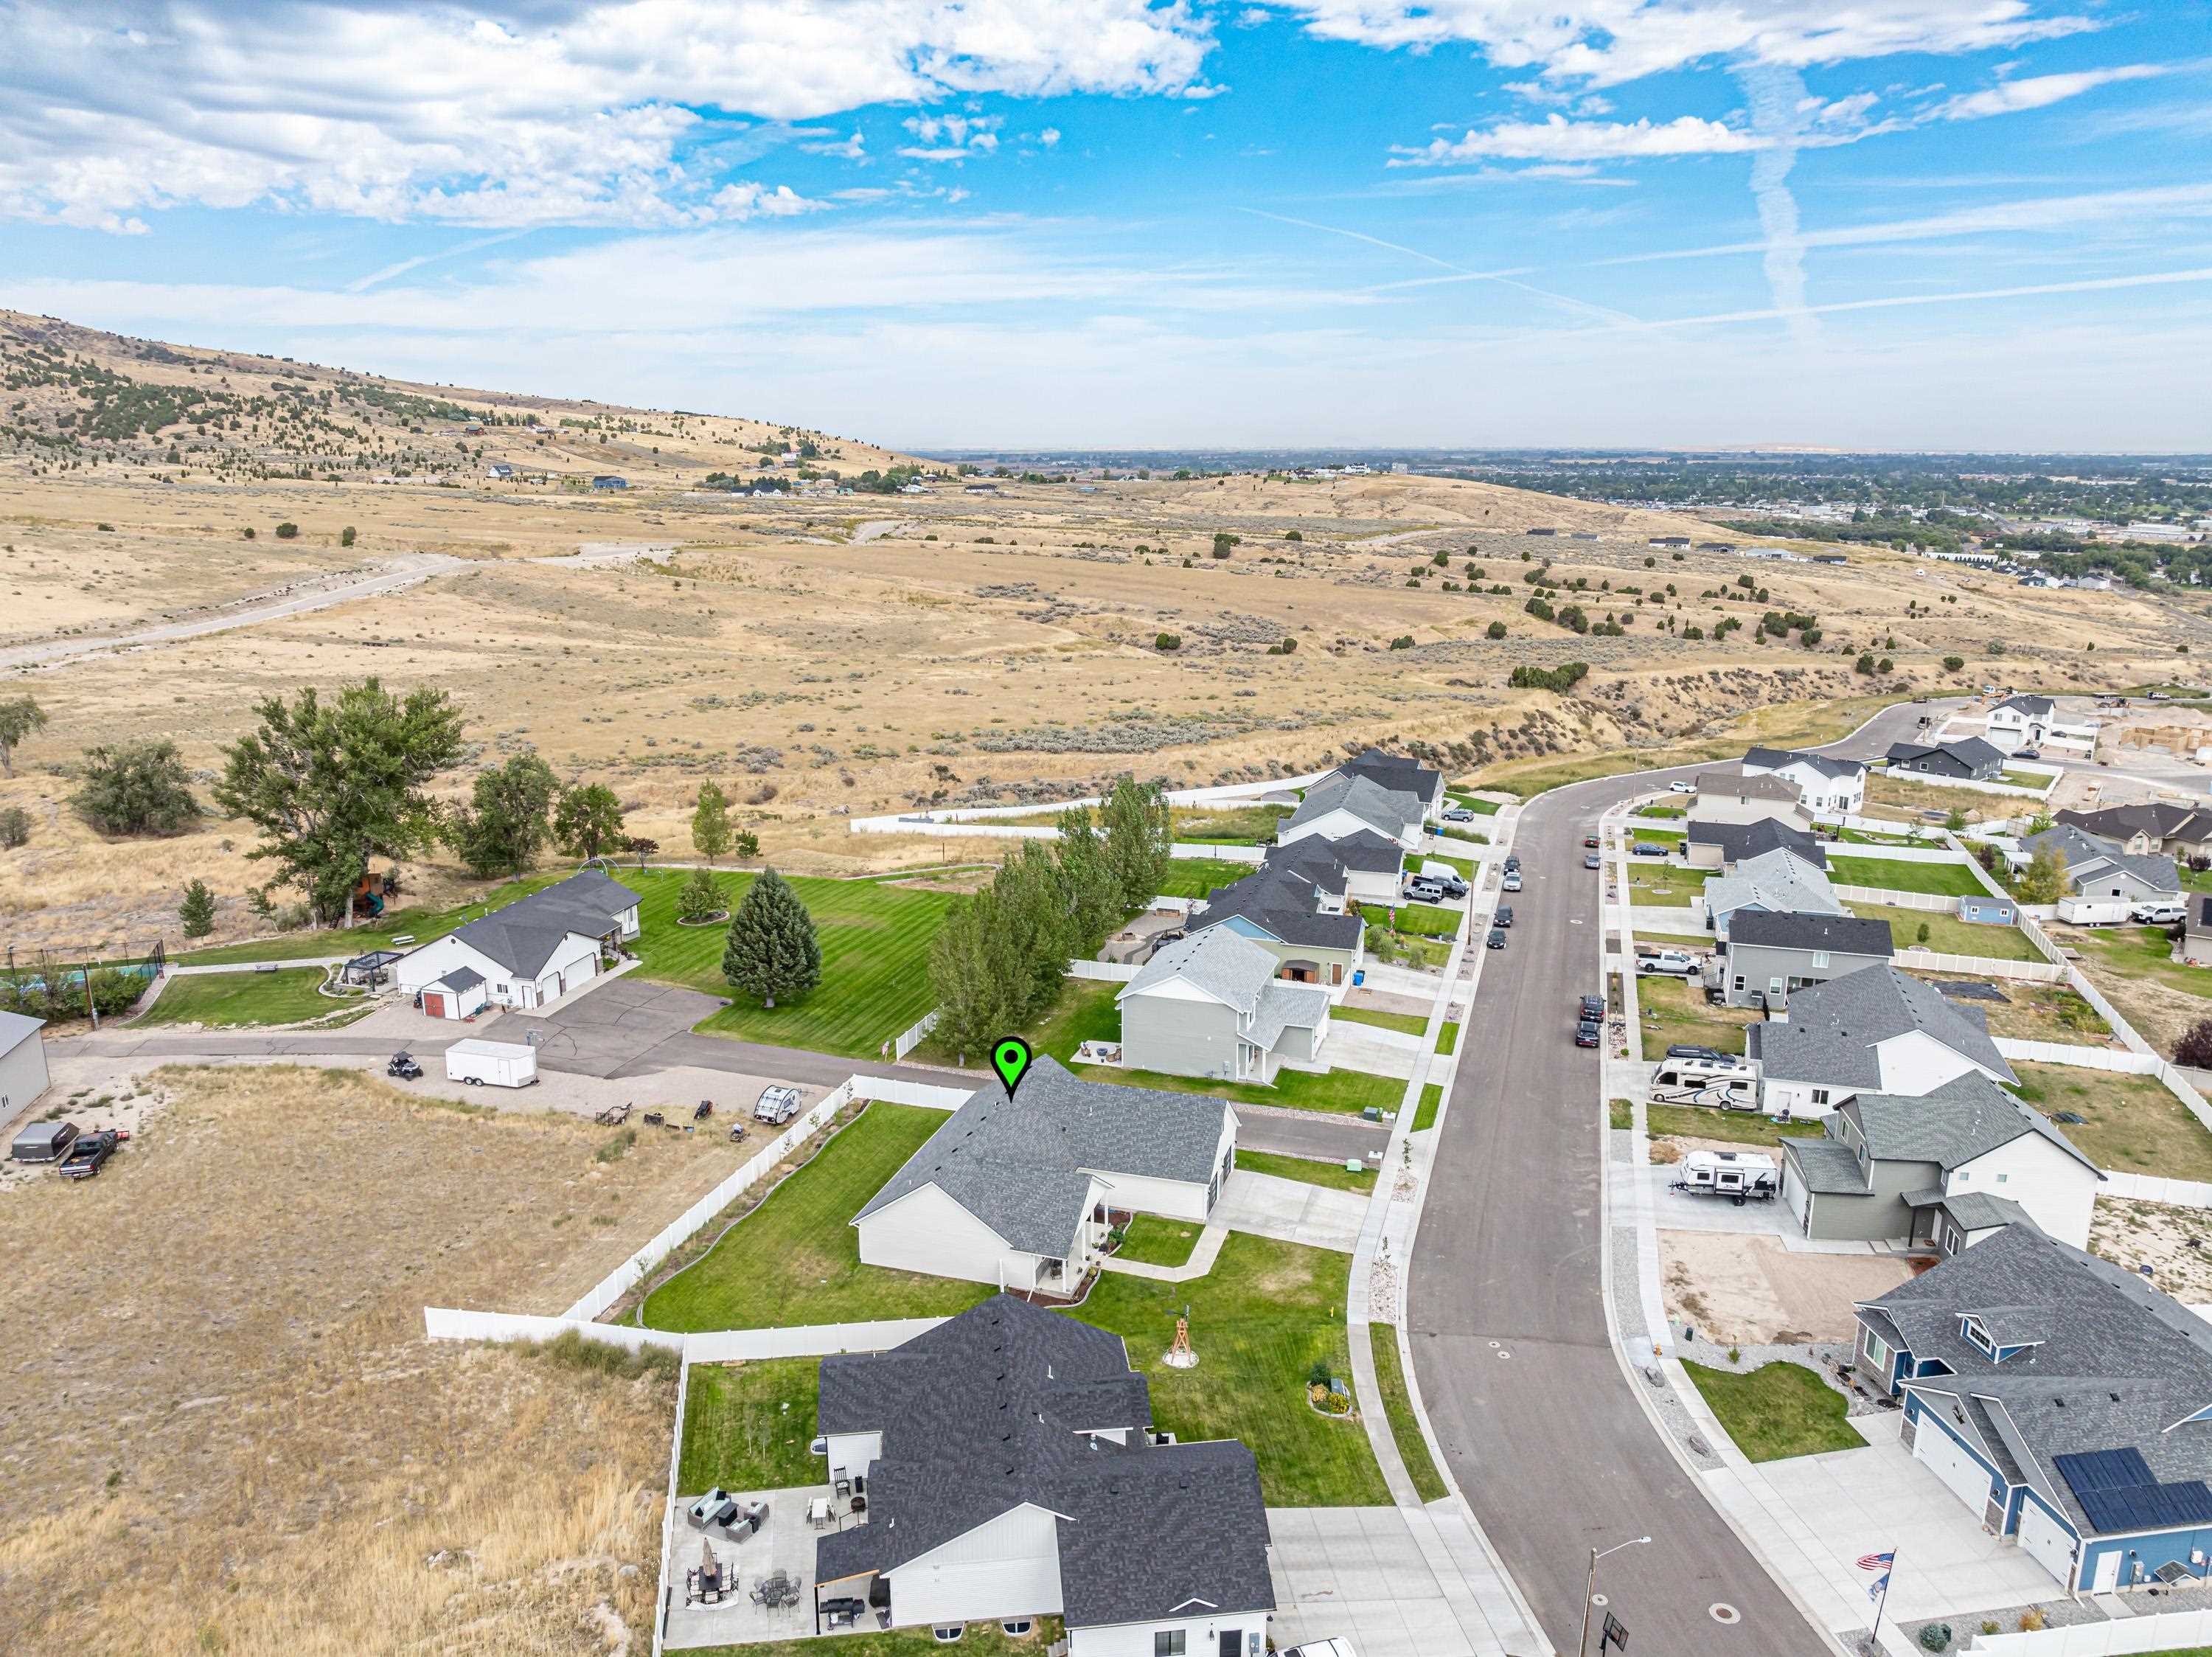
2087	856
1740	841
996	1409
1734	780
1827	1167
462	978
1969	757
1315	862
2035	707
1284	1006
2116	1364
1978	1210
2161	820
1226	966
1844	935
1023	1166
1387	811
1967	1116
1776	758
1282	904
1834	1029
1396	772
523	936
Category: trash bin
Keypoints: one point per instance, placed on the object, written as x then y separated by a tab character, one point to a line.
1359	977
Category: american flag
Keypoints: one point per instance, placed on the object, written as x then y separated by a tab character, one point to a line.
1874	1561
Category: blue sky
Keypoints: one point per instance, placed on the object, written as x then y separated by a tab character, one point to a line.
1895	223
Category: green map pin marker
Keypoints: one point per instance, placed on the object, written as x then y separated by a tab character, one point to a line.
1010	1057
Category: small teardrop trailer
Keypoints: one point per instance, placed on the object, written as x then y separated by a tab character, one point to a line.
1740	1176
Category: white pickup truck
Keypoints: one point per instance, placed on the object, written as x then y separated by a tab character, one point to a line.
1666	960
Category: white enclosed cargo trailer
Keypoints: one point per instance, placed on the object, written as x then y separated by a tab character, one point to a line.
494	1063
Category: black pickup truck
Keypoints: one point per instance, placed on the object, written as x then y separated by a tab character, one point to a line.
89	1154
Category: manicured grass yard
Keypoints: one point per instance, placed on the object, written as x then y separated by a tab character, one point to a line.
1447	1037
1198	877
2132	1122
1665	886
1085	1012
1675	1011
1335	1175
796	1258
1432	1103
1411	1024
1347	1090
1949	934
1777	1411
1153	1242
2141	952
1668	838
1259	1321
1734	1127
1419	920
1946	880
1398	1405
228	999
746	1426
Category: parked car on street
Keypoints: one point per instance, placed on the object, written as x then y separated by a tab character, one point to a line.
1590	840
89	1154
1591	860
1513	863
1681	785
1504	916
1593	1007
1586	1034
2029	753
1510	882
1496	938
1647	849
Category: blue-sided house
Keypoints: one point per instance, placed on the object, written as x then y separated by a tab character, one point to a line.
1986	910
2066	1402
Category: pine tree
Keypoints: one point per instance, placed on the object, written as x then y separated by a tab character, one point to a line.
698	897
772	949
1138	840
710	821
198	911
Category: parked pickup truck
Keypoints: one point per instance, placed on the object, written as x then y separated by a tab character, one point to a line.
2159	914
1666	960
88	1155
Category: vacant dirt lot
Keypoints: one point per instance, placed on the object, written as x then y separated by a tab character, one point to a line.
223	1430
2173	1242
1750	1290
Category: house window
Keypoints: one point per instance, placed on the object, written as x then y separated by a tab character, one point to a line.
1819	958
948	1634
1018	1628
1168	1642
1877	1350
2002	1178
1819	1095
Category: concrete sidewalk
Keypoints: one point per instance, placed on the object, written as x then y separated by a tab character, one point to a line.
1397	1581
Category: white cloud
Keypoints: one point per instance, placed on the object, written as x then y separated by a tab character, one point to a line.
2038	91
1049	136
951	138
496	112
854	149
1556	138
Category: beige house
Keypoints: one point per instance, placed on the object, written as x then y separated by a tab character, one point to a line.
1727	794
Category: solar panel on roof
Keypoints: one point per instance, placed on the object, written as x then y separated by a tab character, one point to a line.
2103	1470
2147	1506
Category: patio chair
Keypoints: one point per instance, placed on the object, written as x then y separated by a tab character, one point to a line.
758	1513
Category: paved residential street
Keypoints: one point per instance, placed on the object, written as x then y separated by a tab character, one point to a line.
1506	1308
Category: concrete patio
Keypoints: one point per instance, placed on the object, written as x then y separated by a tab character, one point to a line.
787	1544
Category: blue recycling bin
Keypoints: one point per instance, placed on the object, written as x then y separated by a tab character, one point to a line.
1359	978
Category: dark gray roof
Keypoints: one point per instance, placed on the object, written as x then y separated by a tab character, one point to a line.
2114	1364
1828	1167
999	1408
1396	772
1979	1210
1740	842
2086	853
1317	862
1834	1028
2161	820
2035	707
1281	904
1967	1116
1747	785
1387	811
1971	757
463	977
1847	934
1023	1166
523	936
1776	758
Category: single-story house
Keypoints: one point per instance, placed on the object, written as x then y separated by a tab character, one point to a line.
1824	784
1400	775
1772	955
1776	882
23	1076
1876	1029
1012	1472
535	950
1970	760
1726	845
2035	721
608	480
1980	909
1729	795
2179	831
1939	1171
1310	939
1210	1005
1671	542
2064	1399
2103	883
1343	804
1017	1194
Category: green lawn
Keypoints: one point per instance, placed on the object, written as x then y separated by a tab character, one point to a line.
875	949
2132	1124
1620	1113
746	1427
1415	952
1736	1127
1421	920
1432	1103
2139	952
1344	1091
1777	1411
1398	1406
1654	884
1949	934
1411	1024
1946	880
1668	838
1447	1037
1085	1012
1259	1321
1153	1242
796	1258
225	1000
1335	1175
1660	811
982	1640
421	924
1676	1011
1199	877
1480	807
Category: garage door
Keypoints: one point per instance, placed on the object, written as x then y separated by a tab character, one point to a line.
2047	1542
1947	1458
582	972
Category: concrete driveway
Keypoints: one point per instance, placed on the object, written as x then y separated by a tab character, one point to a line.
611	1026
1291	1211
1387	1578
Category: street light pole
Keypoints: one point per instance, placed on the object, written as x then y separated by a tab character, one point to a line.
1589	1586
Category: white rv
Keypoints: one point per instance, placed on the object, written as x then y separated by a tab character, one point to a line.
1740	1176
1728	1084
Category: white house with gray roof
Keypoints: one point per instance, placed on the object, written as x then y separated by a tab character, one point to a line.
1012	1473
1733	794
1019	1192
2036	721
535	950
1941	1171
1823	784
2103	882
1343	804
1778	882
1772	955
2062	1399
1210	1005
1874	1031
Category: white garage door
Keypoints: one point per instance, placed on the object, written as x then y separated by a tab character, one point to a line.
582	972
2047	1542
1947	1458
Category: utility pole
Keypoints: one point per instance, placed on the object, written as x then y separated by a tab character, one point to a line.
1589	1586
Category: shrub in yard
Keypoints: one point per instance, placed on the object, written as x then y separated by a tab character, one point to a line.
1920	938
1496	630
698	897
572	1351
2195	1047
135	787
1936	1636
2031	1620
1990	1626
748	844
14	826
196	912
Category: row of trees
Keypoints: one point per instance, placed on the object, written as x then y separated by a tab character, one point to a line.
998	962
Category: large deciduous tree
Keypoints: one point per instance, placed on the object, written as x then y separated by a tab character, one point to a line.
1138	839
20	716
588	822
137	788
710	822
508	818
332	784
772	950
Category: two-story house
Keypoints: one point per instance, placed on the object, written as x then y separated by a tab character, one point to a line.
1210	1005
1877	1030
1831	787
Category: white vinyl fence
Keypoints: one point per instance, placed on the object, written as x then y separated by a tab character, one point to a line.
2172	1631
916	1033
1936	902
2148	1188
1103	971
705	1346
1980	966
1222	853
1938	854
979	819
2088	1059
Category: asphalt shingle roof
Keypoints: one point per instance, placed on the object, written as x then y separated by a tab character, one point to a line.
1396	772
1282	904
1971	757
1741	842
1228	967
1828	1167
1834	1029
2087	856
1967	1116
1746	785
999	1408
1387	811
523	936
2116	1366
1844	935
1774	759
2035	707
1023	1166
2161	820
